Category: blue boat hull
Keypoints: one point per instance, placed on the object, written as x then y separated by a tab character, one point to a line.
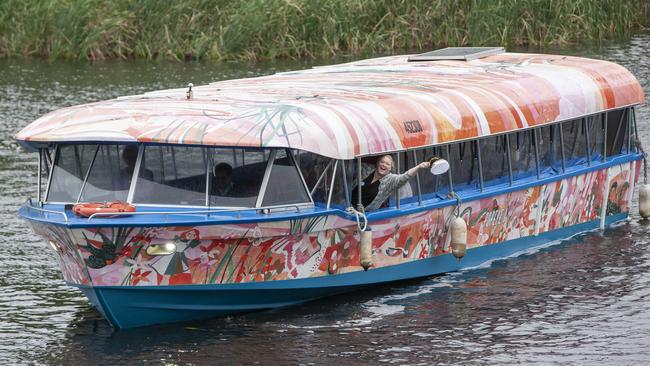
137	306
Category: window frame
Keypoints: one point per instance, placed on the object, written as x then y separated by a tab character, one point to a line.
138	164
57	154
51	156
628	117
322	177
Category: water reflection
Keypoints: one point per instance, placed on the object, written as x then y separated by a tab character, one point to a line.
584	301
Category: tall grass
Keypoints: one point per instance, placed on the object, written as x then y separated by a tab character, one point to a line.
268	29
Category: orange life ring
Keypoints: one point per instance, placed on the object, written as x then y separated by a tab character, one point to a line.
87	209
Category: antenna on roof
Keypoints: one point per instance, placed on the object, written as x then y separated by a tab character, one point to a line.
189	94
457	53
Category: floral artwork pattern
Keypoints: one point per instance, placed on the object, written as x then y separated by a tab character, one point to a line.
72	264
618	199
325	245
499	218
358	108
572	201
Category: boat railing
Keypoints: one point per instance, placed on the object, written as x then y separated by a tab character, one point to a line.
166	214
29	205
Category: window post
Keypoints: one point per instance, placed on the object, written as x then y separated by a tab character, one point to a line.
208	164
562	156
49	178
507	136
90	167
604	119
345	184
535	143
451	183
265	180
136	173
480	164
417	177
636	129
436	151
329	196
399	171
628	129
77	158
359	204
585	128
40	167
161	158
621	123
173	163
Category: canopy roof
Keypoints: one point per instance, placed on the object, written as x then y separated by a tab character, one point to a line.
358	108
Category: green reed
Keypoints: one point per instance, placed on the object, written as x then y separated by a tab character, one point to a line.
268	29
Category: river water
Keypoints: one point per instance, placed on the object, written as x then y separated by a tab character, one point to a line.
580	301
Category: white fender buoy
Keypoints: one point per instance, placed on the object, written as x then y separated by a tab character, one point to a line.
366	248
458	237
644	201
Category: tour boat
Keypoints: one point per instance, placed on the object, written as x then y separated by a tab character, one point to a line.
238	195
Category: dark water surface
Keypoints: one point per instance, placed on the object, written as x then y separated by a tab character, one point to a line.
581	301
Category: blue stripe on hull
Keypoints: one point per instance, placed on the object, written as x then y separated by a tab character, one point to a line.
128	307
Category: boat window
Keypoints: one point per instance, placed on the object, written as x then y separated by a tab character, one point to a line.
617	131
173	175
342	184
432	186
494	160
285	185
596	129
317	171
368	166
46	158
575	142
463	162
236	176
110	175
408	193
232	177
549	149
70	166
631	131
522	154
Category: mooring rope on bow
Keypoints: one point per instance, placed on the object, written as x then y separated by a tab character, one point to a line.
358	215
459	202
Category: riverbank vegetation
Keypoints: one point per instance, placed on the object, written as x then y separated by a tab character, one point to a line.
269	29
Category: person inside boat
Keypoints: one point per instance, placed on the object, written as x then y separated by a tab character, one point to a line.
381	183
130	156
222	184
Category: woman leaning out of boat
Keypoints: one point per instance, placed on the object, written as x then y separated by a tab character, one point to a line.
377	187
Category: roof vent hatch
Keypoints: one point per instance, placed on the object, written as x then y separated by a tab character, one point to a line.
457	53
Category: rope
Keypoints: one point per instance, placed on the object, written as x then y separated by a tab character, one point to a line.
454	213
639	146
357	216
455	195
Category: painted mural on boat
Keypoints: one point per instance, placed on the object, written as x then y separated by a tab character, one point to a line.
325	245
621	187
